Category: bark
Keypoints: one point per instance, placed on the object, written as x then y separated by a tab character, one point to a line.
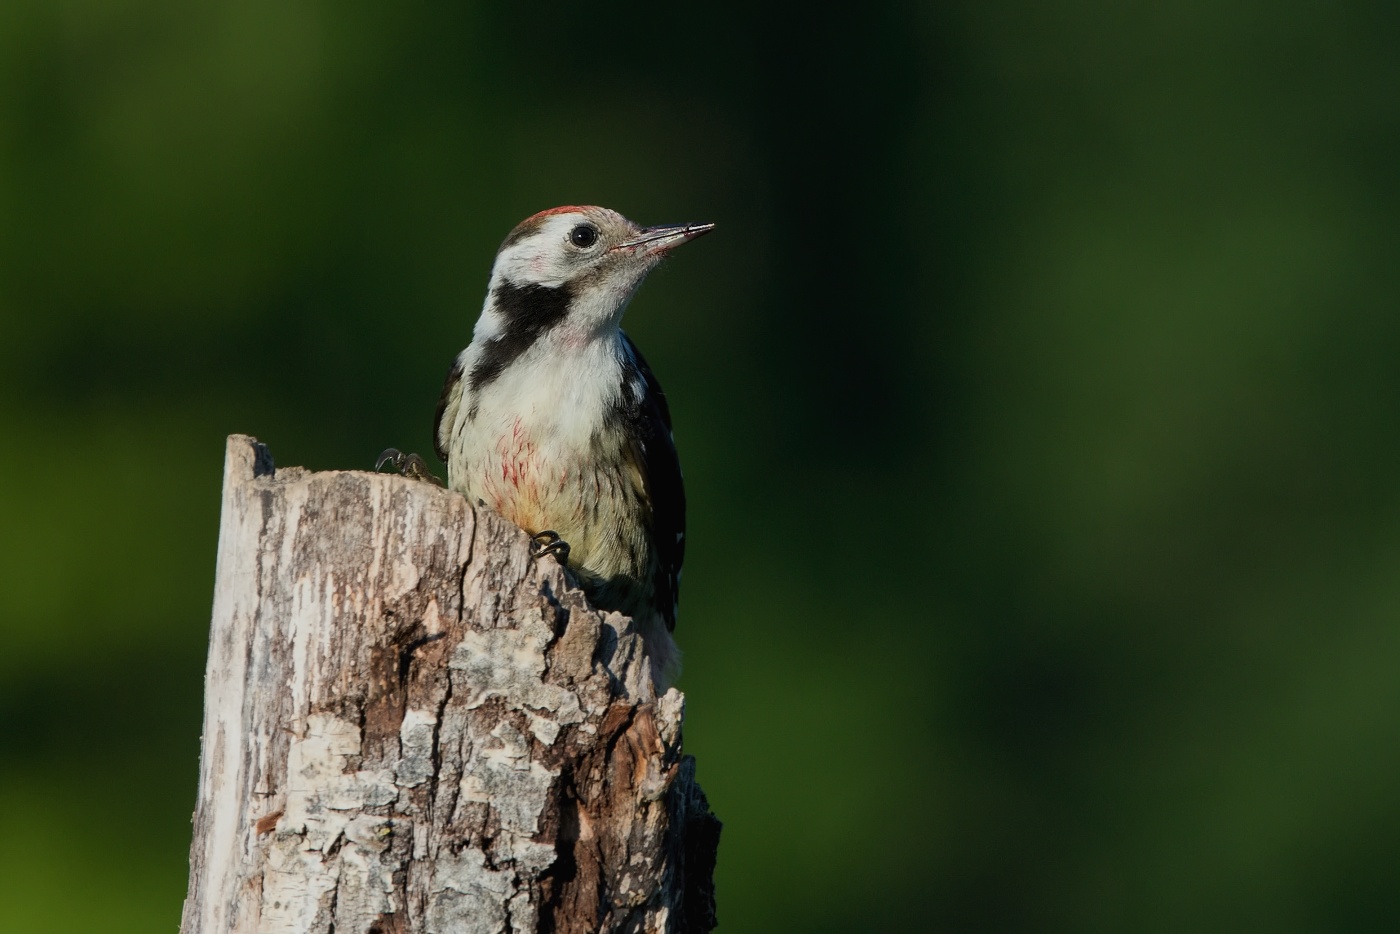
412	726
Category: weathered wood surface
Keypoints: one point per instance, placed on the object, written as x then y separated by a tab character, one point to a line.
411	726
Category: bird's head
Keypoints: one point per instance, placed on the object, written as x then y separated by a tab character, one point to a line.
583	263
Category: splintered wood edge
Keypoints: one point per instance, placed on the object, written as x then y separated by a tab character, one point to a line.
250	473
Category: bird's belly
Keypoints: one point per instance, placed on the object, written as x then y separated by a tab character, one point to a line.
591	496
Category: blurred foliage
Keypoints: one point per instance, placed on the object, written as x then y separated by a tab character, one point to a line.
1039	398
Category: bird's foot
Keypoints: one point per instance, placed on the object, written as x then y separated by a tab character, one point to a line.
410	465
548	542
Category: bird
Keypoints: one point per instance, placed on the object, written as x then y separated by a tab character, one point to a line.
552	417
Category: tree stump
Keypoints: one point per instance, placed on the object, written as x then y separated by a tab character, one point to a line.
411	726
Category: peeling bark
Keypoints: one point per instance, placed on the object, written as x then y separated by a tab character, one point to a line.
413	728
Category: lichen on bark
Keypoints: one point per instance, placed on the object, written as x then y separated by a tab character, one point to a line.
411	726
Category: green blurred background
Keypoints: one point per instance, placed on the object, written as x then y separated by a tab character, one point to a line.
1039	398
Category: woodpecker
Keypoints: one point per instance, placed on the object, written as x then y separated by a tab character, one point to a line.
552	417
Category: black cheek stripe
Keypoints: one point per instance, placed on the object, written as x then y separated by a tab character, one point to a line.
527	311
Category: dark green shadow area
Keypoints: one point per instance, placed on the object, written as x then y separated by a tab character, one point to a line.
1037	396
98	766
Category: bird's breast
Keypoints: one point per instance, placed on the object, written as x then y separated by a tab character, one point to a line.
522	476
590	493
542	446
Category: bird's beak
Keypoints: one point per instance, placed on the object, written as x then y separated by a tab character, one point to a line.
654	241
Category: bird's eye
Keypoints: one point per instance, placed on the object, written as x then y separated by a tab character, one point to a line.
583	236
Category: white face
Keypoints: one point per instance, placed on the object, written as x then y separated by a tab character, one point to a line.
583	250
553	247
572	270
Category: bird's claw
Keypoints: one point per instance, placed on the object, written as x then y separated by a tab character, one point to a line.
410	465
390	456
548	542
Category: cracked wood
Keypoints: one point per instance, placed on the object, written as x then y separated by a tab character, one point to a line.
413	728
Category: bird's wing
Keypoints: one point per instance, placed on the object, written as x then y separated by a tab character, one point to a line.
447	408
654	450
